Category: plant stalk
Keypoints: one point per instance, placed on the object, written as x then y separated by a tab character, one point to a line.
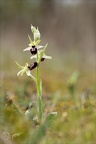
39	94
72	94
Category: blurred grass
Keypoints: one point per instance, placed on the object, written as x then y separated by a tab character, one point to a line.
72	124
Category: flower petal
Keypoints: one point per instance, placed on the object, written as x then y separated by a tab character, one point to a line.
47	57
29	74
23	69
27	49
39	47
19	73
33	56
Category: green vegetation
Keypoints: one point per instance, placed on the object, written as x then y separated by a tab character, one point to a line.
66	114
73	124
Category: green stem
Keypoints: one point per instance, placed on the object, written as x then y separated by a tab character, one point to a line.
39	91
39	94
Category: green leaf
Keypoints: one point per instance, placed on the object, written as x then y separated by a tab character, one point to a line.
41	131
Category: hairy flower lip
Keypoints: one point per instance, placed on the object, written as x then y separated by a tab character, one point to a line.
33	51
42	59
32	66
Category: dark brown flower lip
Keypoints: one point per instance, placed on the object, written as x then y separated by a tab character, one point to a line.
33	51
32	66
42	59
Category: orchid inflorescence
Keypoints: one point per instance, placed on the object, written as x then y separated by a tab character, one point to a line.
38	52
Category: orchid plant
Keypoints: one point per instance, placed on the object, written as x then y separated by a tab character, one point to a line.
38	52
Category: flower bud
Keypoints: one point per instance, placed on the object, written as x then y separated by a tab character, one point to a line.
32	66
35	32
33	28
37	35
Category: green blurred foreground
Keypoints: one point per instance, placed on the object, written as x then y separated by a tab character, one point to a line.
71	95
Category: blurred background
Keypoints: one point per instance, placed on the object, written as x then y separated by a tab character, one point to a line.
68	26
